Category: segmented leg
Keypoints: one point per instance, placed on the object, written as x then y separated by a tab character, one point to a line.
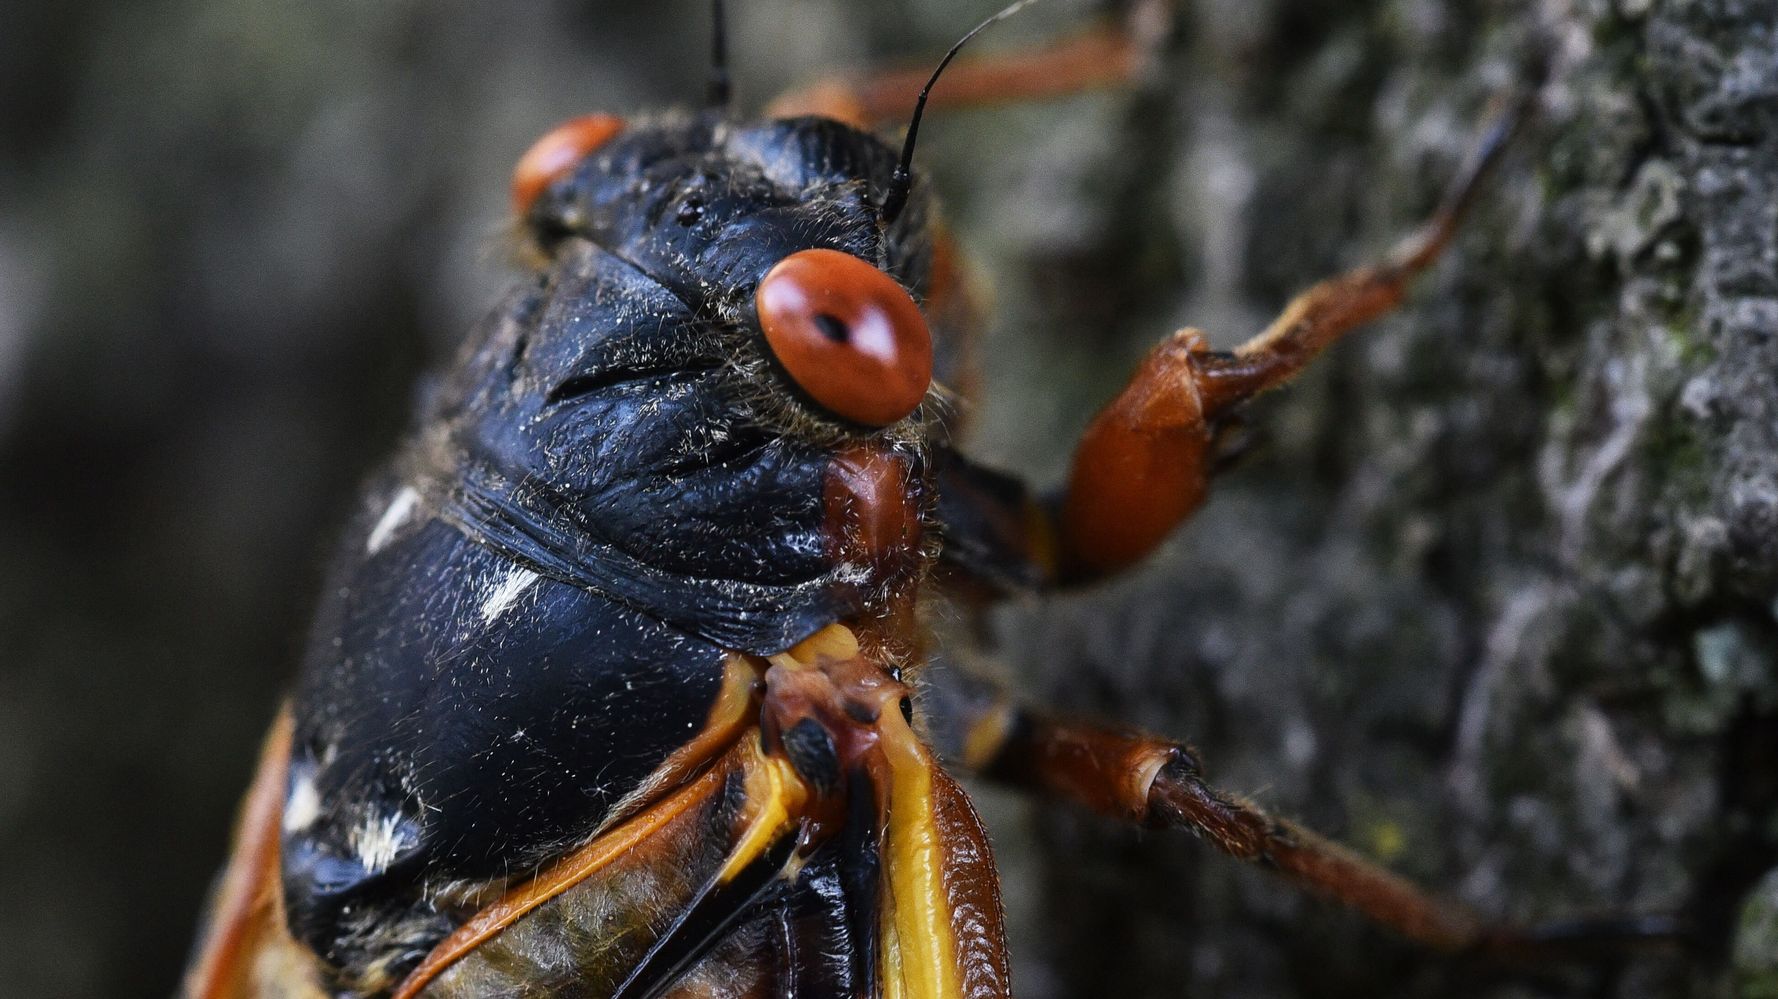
1098	58
1144	463
1158	783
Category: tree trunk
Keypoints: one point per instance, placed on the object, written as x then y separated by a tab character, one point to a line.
1493	601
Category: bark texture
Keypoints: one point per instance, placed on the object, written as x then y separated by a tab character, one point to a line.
1494	603
1494	599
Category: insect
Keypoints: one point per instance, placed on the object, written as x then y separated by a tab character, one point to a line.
624	683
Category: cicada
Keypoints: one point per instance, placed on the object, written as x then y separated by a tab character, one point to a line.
626	682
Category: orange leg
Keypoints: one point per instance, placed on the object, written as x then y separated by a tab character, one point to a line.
1145	462
1160	784
1098	58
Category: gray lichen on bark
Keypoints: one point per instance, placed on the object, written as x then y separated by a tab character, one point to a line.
1496	601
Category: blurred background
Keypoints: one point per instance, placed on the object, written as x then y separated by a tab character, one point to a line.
1493	600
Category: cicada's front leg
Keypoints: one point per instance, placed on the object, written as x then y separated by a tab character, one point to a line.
1145	462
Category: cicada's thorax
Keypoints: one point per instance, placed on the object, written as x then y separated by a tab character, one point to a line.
560	604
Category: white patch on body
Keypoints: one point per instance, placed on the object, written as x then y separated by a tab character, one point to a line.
852	572
507	593
303	806
379	841
400	509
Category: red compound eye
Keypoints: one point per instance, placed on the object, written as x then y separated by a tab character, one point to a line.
847	334
556	153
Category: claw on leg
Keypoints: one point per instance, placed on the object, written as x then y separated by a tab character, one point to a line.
1160	784
1145	461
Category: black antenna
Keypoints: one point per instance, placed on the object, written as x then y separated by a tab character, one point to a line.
903	178
719	87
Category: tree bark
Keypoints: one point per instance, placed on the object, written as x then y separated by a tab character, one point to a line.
1494	601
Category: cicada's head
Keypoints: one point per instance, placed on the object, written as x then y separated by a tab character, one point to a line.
774	233
713	401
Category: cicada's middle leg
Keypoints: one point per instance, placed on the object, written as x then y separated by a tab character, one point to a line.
1160	783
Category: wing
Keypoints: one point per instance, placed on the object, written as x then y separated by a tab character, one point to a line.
243	948
751	866
858	872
